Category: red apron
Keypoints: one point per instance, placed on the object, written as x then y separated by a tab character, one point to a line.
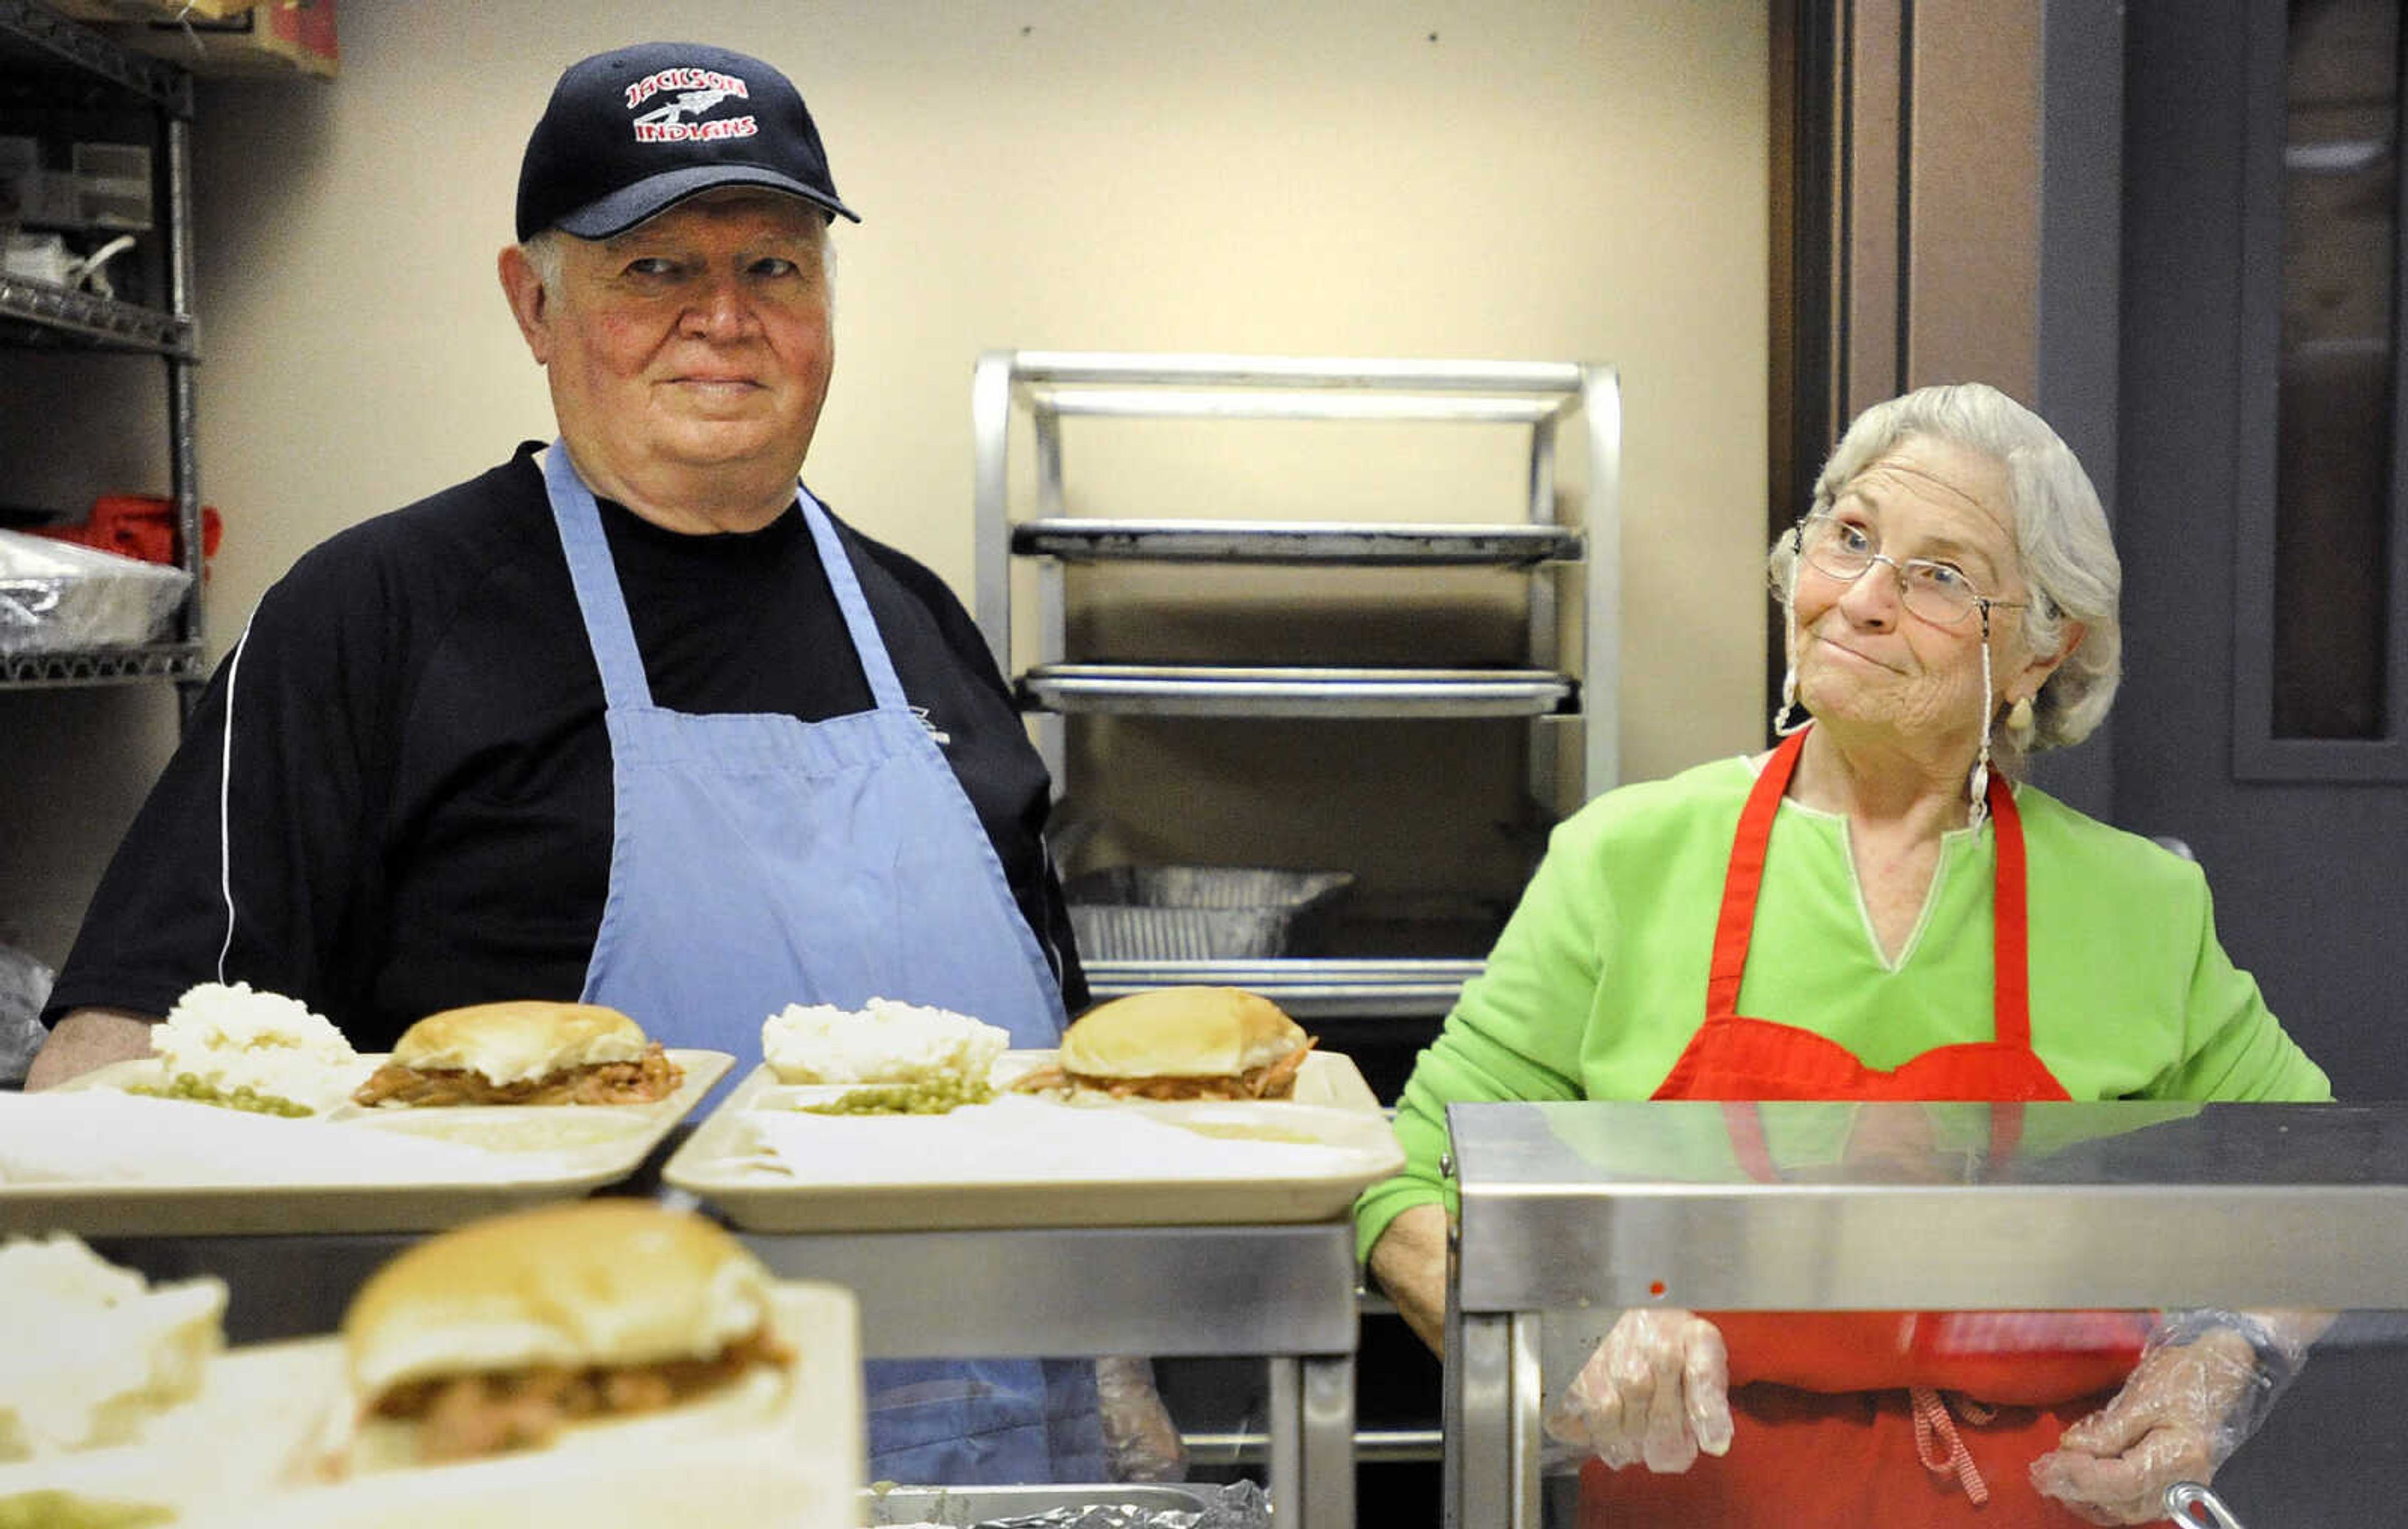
1858	1418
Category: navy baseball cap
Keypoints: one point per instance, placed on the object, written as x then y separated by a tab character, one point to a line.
631	133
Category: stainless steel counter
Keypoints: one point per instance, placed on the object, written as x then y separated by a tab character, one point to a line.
1830	1206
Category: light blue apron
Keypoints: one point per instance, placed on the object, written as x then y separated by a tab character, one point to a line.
759	860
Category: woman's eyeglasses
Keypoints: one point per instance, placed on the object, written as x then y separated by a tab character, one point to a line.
1937	592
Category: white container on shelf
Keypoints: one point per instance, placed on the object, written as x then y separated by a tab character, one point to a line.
37	258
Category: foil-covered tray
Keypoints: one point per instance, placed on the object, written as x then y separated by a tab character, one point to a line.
1116	1506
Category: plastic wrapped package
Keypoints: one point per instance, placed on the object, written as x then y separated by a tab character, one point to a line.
58	595
24	989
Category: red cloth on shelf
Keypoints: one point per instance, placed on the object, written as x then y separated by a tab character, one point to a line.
139	526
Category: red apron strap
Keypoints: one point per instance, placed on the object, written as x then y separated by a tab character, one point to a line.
1745	876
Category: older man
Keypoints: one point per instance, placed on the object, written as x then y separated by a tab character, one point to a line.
627	717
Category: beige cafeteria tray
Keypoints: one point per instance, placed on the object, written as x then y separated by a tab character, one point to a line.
989	1180
243	1452
238	1436
544	1152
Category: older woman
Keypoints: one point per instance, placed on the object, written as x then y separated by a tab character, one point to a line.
1872	911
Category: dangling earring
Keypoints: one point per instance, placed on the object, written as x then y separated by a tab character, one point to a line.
2019	717
1979	787
1782	723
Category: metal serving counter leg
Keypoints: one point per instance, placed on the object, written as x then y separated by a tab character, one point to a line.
1493	1432
1313	1438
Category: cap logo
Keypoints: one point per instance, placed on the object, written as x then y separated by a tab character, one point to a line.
698	91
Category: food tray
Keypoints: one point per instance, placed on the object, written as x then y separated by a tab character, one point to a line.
232	1456
1022	1169
550	1152
1199	911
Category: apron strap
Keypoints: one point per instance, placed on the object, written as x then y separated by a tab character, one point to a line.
605	607
596	579
876	666
1736	923
2009	922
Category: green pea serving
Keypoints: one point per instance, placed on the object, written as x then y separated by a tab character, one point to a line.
926	1096
242	1096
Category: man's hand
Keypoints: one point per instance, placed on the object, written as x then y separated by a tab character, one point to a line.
85	1039
1656	1390
2173	1421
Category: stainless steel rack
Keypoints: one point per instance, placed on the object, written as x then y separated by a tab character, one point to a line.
1321	988
1345	542
1565	689
1186	690
38	47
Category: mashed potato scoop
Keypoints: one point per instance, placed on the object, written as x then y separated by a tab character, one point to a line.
884	1042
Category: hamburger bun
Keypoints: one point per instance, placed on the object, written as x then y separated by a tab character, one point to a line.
1181	1033
525	1051
621	1296
614	1281
524	1038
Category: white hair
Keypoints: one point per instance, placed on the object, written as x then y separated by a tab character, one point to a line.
2063	546
544	253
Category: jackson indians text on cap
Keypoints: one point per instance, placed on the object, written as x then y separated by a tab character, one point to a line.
632	132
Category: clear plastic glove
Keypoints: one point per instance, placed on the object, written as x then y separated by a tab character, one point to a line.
1141	1438
2205	1383
1656	1390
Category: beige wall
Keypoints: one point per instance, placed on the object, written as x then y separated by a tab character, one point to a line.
1551	180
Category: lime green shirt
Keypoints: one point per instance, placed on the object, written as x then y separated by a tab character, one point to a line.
1598	981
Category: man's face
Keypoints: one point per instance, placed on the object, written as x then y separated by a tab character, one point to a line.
700	339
